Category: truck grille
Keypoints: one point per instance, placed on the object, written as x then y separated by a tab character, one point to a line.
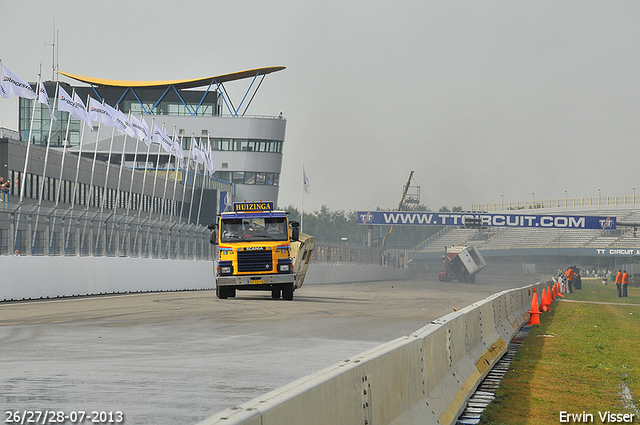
255	261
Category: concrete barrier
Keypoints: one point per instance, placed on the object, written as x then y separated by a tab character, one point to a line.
423	378
31	277
34	277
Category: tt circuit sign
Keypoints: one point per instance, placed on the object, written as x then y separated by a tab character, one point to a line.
421	218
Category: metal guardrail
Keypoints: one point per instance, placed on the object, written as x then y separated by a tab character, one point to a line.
348	254
89	233
432	238
596	201
69	232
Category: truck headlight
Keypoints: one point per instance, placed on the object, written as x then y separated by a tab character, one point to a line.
284	268
226	269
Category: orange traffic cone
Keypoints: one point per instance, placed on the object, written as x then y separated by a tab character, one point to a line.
558	292
553	293
534	318
544	301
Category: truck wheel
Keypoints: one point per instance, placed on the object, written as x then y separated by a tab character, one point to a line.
275	294
287	292
221	293
224	292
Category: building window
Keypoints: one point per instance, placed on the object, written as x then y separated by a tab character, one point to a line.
238	177
249	178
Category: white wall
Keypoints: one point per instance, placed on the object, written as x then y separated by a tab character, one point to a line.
41	277
31	277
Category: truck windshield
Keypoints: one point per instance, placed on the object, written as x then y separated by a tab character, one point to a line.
254	229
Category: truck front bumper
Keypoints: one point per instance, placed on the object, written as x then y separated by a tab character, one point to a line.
255	280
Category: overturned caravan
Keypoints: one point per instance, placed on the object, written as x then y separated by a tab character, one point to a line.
462	263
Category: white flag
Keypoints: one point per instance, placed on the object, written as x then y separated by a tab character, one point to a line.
13	84
98	112
176	148
43	97
211	166
120	121
305	181
74	106
3	93
141	129
161	137
82	109
198	155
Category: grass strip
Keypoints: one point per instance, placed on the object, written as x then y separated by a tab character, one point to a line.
575	361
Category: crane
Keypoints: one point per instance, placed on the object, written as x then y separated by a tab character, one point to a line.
400	207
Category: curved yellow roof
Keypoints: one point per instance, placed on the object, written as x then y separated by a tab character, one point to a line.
179	84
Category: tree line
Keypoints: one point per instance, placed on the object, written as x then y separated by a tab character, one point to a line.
341	227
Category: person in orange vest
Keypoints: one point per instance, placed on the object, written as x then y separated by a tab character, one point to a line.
619	283
570	275
625	282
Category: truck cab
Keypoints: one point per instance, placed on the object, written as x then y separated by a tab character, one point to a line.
255	252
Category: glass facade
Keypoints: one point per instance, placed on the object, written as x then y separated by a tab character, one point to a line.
247	177
147	101
96	196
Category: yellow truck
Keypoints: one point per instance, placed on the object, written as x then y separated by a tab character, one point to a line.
259	249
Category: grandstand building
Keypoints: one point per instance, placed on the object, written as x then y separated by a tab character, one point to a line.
247	150
88	191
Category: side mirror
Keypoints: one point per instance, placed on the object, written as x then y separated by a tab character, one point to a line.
213	237
295	230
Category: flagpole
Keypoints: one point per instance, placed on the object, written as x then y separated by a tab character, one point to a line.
64	150
46	157
175	182
146	168
205	170
144	179
124	145
46	154
133	172
166	177
155	177
26	158
23	178
93	167
106	177
302	200
193	188
184	181
117	199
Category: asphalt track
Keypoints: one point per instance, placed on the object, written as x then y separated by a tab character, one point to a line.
179	357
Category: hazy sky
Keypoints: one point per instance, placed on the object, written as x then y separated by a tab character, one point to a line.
478	98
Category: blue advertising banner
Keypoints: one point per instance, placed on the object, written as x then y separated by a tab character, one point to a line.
225	202
421	218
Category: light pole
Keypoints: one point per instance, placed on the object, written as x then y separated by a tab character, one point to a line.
565	197
598	196
533	194
634	194
501	202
